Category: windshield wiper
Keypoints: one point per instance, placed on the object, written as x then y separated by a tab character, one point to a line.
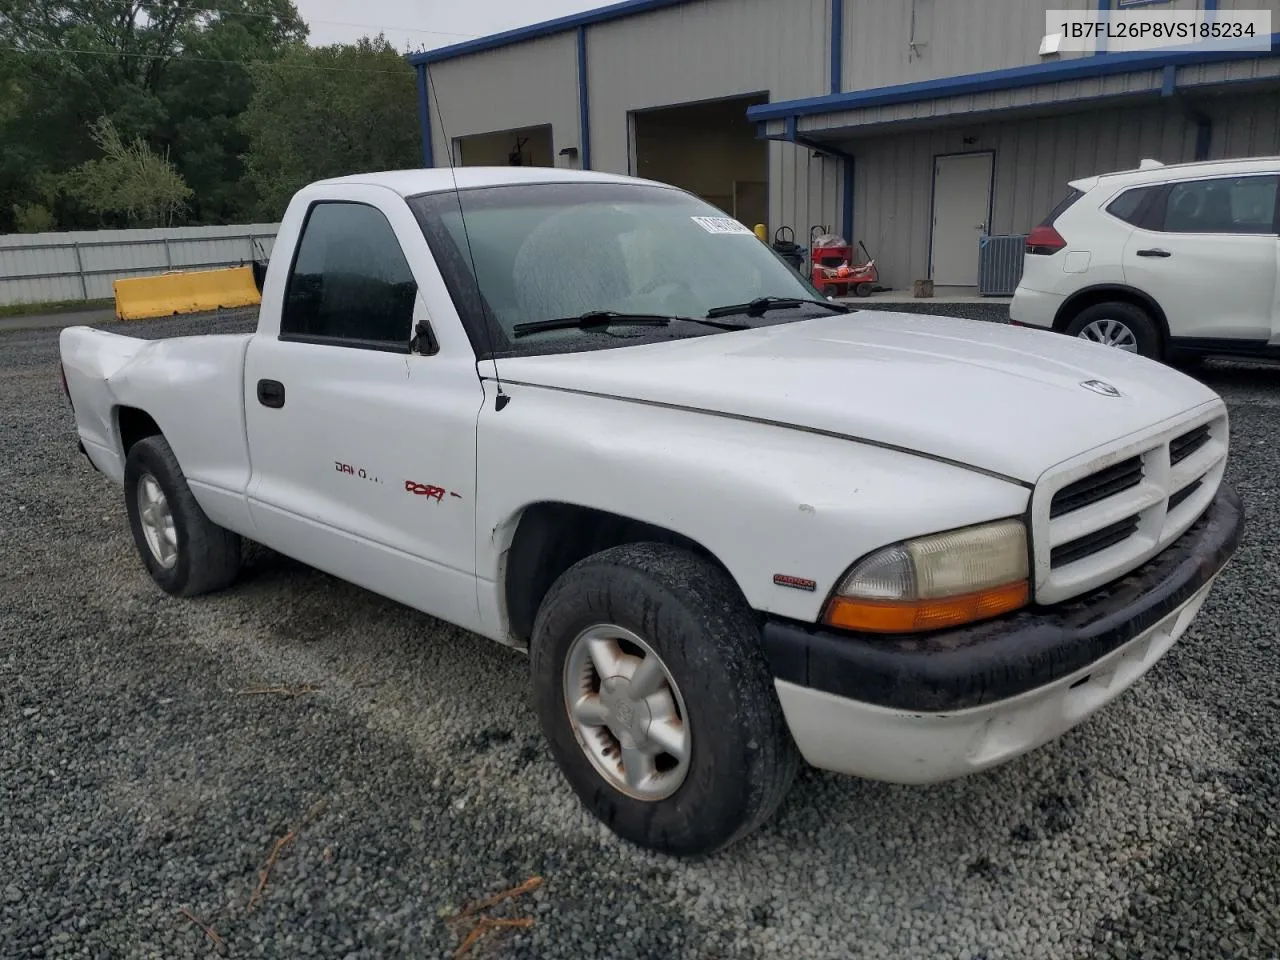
759	306
599	319
592	320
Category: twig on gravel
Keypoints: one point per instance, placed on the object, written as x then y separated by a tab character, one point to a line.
485	925
265	873
278	691
533	883
208	930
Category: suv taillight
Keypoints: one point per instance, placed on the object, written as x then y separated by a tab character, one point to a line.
1044	241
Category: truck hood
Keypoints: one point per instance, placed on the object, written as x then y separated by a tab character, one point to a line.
995	397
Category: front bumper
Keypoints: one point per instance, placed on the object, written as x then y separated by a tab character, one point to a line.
924	708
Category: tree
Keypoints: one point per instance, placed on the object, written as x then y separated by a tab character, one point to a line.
170	71
321	112
131	184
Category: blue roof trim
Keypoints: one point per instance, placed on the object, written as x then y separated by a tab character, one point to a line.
615	11
1008	79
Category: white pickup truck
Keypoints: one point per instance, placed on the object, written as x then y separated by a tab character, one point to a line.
732	523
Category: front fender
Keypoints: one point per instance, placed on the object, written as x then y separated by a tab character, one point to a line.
765	499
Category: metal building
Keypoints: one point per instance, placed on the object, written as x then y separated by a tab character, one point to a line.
915	126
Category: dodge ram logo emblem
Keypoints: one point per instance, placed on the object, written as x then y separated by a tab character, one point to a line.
1100	386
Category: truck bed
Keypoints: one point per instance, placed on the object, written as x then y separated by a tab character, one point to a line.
191	386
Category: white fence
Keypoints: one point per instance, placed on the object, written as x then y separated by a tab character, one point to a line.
47	267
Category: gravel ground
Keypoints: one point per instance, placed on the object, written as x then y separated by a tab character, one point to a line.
139	780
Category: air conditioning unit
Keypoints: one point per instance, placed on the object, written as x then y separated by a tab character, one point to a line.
1000	264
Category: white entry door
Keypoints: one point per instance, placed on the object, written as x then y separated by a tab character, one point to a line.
961	205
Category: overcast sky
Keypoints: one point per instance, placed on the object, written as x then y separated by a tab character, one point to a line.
427	23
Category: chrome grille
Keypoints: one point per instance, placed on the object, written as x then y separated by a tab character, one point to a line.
1096	519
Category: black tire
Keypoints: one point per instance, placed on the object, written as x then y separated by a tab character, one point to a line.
1137	321
742	758
863	290
208	556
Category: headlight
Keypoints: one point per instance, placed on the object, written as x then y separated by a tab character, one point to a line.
937	581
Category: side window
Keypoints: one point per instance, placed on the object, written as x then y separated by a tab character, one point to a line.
350	281
1129	205
1222	205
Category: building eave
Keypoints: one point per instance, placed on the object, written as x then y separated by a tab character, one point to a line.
1007	79
547	28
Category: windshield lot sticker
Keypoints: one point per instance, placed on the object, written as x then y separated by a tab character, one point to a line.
723	226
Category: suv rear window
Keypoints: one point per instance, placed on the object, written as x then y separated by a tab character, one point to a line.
1061	207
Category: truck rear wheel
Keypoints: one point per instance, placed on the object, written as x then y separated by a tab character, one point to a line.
652	688
185	552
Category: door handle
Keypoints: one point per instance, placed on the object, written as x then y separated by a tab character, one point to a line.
1154	252
271	393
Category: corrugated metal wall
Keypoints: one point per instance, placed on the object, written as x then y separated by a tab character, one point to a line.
958	37
711	50
48	267
1245	126
524	85
1034	159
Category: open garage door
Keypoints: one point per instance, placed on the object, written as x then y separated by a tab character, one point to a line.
526	147
709	149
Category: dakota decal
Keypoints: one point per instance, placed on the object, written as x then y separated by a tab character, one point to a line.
360	472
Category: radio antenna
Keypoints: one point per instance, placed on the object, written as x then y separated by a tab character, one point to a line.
501	400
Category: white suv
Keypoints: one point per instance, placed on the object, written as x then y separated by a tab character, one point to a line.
1171	262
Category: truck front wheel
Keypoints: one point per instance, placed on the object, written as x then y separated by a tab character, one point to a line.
651	686
185	552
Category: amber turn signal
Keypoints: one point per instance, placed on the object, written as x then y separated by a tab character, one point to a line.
912	616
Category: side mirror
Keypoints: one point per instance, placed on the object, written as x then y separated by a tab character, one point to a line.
424	341
260	262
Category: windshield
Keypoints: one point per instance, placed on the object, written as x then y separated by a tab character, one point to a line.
554	251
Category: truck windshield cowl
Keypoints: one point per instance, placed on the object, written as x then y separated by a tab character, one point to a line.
564	258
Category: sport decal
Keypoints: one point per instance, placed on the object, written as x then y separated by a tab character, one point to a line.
724	226
428	490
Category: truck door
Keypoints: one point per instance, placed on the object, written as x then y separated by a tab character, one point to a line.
363	449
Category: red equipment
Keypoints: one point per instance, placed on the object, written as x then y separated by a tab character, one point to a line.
832	272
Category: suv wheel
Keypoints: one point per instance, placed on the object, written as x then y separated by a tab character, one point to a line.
1119	325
